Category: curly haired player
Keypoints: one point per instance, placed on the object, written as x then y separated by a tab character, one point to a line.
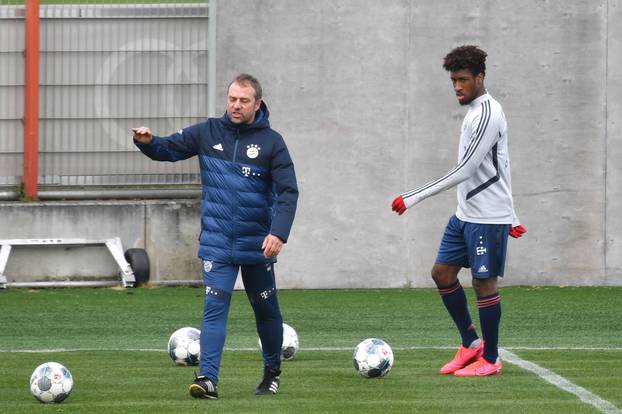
476	235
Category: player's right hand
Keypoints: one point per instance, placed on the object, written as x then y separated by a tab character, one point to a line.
398	205
142	134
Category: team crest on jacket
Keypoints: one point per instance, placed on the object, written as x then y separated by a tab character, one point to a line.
252	151
207	266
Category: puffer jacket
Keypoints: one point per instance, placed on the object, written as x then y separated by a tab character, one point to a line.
249	184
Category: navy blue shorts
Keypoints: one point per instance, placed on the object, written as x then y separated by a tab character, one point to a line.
482	247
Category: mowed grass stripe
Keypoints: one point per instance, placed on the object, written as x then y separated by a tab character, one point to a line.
315	382
303	349
145	318
549	376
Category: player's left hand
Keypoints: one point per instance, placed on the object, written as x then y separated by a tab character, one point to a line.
398	205
517	231
271	246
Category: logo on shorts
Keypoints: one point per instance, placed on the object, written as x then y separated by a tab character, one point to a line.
480	250
207	266
482	269
252	151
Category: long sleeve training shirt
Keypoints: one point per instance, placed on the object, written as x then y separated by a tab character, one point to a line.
482	175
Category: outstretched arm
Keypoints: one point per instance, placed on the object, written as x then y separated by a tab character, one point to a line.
481	141
178	146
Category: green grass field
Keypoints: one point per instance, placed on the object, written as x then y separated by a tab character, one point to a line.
114	341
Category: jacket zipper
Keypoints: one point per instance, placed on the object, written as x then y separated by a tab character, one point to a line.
235	146
235	156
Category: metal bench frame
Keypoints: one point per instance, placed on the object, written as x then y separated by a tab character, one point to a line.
114	247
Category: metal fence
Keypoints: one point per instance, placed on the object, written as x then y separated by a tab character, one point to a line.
105	68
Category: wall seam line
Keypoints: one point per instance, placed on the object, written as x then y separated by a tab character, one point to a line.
606	137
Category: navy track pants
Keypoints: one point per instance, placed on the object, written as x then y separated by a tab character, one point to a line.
259	283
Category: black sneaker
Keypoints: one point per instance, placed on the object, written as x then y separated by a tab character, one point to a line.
269	385
203	387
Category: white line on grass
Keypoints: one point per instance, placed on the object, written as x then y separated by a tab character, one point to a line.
584	395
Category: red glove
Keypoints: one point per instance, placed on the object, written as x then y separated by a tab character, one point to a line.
398	205
517	232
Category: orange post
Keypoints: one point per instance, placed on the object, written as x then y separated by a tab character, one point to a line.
31	100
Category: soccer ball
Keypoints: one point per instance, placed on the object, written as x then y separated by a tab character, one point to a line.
51	382
373	358
290	343
184	347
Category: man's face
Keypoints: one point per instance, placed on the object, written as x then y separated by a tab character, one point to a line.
242	104
467	86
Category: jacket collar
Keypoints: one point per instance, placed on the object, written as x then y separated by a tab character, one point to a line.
261	120
475	102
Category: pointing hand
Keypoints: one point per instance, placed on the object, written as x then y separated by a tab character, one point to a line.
142	134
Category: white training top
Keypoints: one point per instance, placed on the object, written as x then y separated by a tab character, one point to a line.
483	171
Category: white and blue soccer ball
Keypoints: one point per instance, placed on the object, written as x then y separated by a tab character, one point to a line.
373	358
184	346
290	345
51	382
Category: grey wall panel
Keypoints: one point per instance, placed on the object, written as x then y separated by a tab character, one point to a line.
12	102
333	80
11	167
105	35
105	135
358	92
172	231
97	163
558	119
12	64
167	229
11	35
613	221
103	70
69	220
368	112
123	101
553	99
124	67
11	135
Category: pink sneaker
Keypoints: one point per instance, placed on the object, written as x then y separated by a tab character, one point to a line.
463	357
480	368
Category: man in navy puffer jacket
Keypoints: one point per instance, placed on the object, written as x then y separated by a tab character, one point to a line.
249	202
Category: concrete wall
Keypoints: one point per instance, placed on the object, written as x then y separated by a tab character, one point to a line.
168	230
358	91
613	195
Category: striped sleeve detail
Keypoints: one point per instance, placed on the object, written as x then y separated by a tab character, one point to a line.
473	146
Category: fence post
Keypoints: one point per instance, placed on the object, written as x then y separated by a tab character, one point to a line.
31	99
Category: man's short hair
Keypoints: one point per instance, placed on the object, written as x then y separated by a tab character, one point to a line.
466	57
245	79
